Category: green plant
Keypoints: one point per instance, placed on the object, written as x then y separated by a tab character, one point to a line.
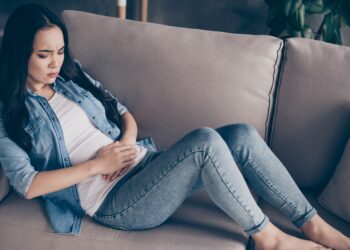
287	18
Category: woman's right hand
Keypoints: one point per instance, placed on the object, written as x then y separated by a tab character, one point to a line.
114	157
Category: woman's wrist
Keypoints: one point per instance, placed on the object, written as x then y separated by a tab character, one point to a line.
128	140
93	167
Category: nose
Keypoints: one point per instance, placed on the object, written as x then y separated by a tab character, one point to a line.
54	61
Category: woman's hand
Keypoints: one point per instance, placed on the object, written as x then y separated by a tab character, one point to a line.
115	157
112	176
129	128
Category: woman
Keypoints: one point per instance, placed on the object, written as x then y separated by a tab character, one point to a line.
66	139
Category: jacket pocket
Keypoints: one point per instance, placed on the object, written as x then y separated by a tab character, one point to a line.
41	136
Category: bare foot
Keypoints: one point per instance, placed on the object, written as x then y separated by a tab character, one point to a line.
271	238
321	232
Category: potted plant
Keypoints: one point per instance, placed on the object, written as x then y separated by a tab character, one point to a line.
288	18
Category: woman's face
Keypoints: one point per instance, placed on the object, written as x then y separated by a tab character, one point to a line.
47	58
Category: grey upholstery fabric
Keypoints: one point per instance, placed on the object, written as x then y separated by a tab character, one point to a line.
172	80
198	224
335	197
175	79
312	118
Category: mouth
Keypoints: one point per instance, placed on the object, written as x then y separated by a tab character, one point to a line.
55	74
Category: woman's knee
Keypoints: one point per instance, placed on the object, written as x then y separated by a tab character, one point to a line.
239	133
205	136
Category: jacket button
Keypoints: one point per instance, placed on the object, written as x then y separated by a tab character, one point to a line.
93	117
79	101
109	132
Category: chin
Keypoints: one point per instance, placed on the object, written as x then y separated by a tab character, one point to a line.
49	80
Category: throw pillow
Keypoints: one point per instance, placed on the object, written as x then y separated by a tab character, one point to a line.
335	197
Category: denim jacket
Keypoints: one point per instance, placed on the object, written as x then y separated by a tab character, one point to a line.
49	151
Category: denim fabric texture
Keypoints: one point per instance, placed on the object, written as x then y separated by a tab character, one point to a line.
206	158
222	161
49	151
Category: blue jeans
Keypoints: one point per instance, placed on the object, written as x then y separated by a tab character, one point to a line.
206	158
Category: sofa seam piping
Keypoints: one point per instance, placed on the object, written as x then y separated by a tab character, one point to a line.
271	96
274	110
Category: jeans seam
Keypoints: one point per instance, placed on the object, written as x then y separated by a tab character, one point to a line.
273	188
244	206
157	179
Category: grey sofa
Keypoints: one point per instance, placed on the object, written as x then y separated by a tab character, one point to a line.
295	92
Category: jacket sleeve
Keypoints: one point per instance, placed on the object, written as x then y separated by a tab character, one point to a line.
121	108
15	162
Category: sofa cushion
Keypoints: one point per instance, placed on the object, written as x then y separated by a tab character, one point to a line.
335	197
176	79
198	224
312	116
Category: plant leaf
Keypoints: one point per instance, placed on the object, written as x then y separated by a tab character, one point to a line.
297	20
329	3
314	6
291	6
331	29
287	4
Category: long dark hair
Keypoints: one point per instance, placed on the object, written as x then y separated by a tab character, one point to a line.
16	49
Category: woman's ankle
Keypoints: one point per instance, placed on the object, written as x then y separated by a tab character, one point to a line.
268	235
318	230
312	226
272	237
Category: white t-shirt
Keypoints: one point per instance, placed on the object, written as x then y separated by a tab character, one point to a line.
83	141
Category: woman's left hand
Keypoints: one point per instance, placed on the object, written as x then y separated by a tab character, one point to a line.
120	172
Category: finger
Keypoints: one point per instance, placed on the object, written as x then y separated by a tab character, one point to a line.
124	170
130	157
127	164
111	145
129	154
120	172
115	175
108	176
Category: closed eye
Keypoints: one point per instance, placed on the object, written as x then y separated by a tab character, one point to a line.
42	56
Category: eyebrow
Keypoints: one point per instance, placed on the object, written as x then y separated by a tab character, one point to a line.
47	50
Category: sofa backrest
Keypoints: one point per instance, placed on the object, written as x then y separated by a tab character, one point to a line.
176	79
312	119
